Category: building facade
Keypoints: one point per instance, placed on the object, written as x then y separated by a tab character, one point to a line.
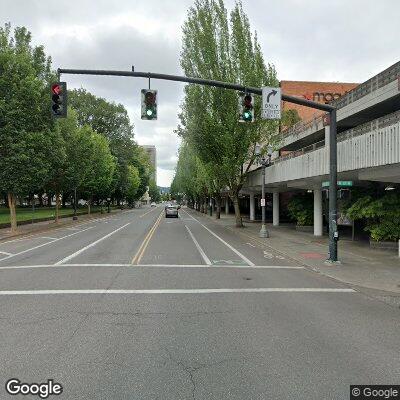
321	92
368	148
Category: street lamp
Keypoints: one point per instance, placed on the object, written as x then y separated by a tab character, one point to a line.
265	162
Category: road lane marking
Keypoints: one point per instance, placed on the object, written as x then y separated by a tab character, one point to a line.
45	244
201	251
73	255
237	252
175	291
151	266
139	254
148	212
47	237
4	252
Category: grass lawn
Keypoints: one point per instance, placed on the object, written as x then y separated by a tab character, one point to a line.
27	214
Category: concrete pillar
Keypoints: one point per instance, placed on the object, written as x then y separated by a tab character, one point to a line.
252	207
327	131
227	205
275	208
318	212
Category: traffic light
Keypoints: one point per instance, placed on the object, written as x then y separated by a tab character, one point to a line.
149	104
246	107
59	99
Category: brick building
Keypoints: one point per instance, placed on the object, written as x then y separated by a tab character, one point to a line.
322	92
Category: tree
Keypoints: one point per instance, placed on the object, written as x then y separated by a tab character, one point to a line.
26	128
154	192
133	183
382	215
99	177
215	48
112	121
289	118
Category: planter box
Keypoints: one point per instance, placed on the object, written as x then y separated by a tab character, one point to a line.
384	245
305	228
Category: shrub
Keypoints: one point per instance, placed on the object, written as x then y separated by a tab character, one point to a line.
382	216
300	208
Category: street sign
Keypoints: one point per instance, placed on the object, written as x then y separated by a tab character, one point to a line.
271	103
262	202
339	183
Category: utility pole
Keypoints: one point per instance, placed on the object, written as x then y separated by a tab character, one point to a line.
333	233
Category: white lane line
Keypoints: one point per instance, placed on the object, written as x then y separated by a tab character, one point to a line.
73	255
47	237
152	266
44	244
245	259
175	291
201	251
4	252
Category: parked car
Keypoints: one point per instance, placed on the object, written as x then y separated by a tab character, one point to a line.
153	204
171	210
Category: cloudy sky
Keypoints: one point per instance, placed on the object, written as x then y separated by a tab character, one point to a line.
339	40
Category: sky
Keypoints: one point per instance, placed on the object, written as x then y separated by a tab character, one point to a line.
315	40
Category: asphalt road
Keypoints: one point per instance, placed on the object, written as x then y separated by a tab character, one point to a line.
137	306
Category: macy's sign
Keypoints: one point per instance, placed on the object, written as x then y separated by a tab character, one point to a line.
321	96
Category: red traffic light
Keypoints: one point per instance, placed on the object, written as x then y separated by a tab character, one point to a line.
56	88
247	101
150	98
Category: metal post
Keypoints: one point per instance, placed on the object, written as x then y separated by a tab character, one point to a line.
75	216
263	231
333	234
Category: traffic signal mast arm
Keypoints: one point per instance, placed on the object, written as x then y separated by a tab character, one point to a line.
333	235
200	81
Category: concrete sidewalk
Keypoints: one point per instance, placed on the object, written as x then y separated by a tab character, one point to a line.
360	265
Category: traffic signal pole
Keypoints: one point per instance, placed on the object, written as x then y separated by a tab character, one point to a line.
333	236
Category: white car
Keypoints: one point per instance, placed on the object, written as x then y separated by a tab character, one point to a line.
153	204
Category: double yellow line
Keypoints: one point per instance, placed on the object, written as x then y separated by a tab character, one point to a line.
138	256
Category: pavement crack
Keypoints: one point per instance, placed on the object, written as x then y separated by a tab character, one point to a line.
189	370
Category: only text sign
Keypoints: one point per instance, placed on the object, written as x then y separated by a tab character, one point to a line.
271	103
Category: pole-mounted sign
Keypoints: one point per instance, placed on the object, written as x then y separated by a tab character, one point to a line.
271	103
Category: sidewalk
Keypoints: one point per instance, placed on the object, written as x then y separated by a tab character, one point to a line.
360	265
28	229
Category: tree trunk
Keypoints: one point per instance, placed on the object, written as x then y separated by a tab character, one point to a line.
57	212
21	201
41	199
64	200
218	204
238	217
12	200
88	205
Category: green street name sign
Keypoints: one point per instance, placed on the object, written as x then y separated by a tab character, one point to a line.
339	183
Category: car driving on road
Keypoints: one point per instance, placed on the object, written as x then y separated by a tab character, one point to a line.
171	210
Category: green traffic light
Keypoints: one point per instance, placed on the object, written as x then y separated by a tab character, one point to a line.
247	116
149	112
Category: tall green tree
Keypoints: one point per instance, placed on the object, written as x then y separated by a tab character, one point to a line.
154	192
26	128
225	49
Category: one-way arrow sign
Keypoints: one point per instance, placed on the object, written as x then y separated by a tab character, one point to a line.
271	103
